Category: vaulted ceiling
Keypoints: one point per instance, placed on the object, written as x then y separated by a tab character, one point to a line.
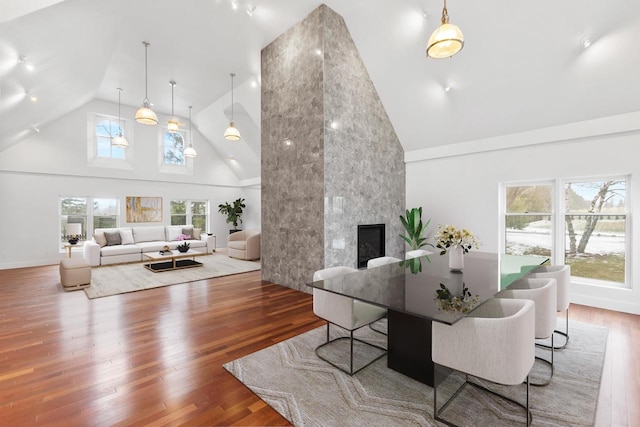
522	67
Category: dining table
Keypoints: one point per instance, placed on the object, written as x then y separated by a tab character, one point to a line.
419	291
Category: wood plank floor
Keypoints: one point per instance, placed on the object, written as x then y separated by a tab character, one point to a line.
155	357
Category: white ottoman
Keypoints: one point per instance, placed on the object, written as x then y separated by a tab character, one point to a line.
75	273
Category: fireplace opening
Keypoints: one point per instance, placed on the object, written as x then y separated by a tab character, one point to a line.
370	243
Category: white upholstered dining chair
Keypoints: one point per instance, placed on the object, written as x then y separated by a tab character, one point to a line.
383	260
544	294
416	253
562	274
345	312
495	342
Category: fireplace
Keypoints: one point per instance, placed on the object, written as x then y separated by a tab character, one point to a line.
370	243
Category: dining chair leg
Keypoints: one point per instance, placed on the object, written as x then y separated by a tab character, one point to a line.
550	363
351	339
528	412
565	334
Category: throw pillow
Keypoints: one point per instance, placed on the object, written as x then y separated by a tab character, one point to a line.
173	233
196	233
113	238
188	232
126	237
100	239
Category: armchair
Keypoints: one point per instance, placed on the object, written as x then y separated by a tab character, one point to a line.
244	244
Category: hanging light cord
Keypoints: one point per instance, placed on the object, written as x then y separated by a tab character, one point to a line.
232	76
119	120
119	93
173	84
146	92
445	14
190	133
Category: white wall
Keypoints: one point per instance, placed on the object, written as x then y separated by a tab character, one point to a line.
37	171
463	189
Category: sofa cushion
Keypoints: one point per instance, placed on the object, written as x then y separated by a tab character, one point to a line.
237	244
149	234
187	231
173	232
151	246
100	239
119	250
113	238
126	236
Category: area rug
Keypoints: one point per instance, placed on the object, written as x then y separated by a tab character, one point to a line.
309	392
123	278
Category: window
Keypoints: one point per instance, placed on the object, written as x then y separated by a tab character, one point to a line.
595	215
588	230
72	210
173	143
105	130
178	212
105	213
90	212
529	220
199	214
195	212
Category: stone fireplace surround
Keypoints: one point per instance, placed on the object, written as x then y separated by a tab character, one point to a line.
330	157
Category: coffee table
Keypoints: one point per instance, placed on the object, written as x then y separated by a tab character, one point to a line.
172	260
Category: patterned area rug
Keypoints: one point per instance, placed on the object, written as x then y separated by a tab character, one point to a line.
309	392
123	278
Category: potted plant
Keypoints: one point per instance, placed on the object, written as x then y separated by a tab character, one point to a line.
415	228
183	247
233	213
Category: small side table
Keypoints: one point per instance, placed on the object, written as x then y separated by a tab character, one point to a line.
211	241
68	247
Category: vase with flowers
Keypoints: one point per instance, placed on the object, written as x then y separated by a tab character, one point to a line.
456	242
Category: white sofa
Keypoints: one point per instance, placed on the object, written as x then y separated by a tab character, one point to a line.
137	240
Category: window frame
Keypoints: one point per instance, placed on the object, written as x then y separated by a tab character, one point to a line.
559	226
504	214
180	169
562	212
88	216
93	160
189	212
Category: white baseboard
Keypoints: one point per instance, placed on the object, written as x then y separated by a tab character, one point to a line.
606	303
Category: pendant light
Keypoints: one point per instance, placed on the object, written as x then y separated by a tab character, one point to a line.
446	40
190	151
232	134
119	141
172	124
145	114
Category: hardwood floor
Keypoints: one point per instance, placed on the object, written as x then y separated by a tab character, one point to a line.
155	357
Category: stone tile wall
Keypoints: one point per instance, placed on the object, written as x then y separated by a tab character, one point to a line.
330	157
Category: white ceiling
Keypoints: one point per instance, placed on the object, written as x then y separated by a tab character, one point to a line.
522	66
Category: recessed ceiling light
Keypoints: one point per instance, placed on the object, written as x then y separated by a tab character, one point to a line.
287	142
27	65
234	4
318	52
35	129
334	125
447	88
32	97
585	42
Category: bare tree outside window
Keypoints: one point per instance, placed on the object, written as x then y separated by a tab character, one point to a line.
596	220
